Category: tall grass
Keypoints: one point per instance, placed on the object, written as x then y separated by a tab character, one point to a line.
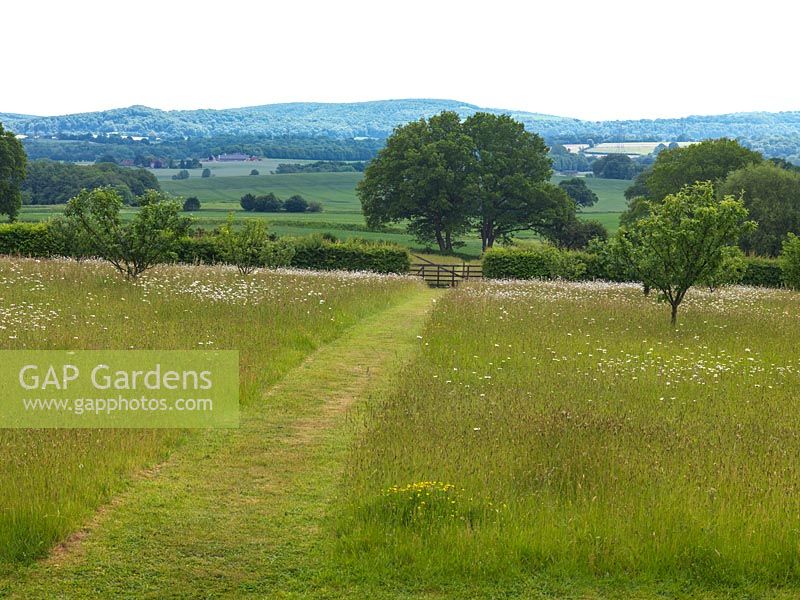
563	432
52	480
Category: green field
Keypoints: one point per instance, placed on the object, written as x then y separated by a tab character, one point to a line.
341	214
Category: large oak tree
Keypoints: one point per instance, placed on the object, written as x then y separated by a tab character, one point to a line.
445	177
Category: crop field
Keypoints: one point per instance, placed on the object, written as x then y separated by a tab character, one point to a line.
561	439
631	148
341	214
52	481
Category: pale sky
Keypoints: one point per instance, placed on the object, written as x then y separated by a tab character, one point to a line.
588	59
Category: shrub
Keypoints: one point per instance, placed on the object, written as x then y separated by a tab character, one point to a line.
248	202
790	261
762	272
191	204
254	172
534	262
267	203
295	204
199	250
731	270
206	172
28	239
314	252
250	247
314	207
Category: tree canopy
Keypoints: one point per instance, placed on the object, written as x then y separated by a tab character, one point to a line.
707	161
577	189
446	177
772	197
12	172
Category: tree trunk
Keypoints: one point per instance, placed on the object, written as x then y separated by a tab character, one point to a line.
440	239
448	241
674	319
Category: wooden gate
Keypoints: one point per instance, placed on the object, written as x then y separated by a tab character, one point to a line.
445	275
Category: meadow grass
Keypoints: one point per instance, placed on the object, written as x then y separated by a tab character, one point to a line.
557	438
52	481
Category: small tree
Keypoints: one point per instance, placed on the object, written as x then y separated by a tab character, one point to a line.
790	262
191	204
151	237
248	202
295	204
182	174
206	172
268	203
577	189
254	172
251	246
682	241
314	207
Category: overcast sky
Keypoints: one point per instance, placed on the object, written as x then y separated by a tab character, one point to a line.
594	60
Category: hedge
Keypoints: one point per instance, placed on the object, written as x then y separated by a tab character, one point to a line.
353	255
28	239
762	272
547	262
313	252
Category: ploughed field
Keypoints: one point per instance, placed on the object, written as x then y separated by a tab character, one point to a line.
558	436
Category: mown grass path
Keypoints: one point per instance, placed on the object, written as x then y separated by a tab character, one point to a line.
235	513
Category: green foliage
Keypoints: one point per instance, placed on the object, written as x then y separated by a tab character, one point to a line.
790	261
535	262
28	239
70	238
295	204
730	271
206	173
322	166
772	197
577	189
151	237
681	242
762	272
444	177
314	252
12	172
251	247
614	166
49	182
707	161
574	234
182	174
254	172
191	204
421	176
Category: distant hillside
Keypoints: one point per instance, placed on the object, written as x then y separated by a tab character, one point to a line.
774	134
348	120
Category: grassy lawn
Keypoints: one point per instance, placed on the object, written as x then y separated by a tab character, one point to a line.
341	216
53	480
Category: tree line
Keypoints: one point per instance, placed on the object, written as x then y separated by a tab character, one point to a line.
271	203
49	182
